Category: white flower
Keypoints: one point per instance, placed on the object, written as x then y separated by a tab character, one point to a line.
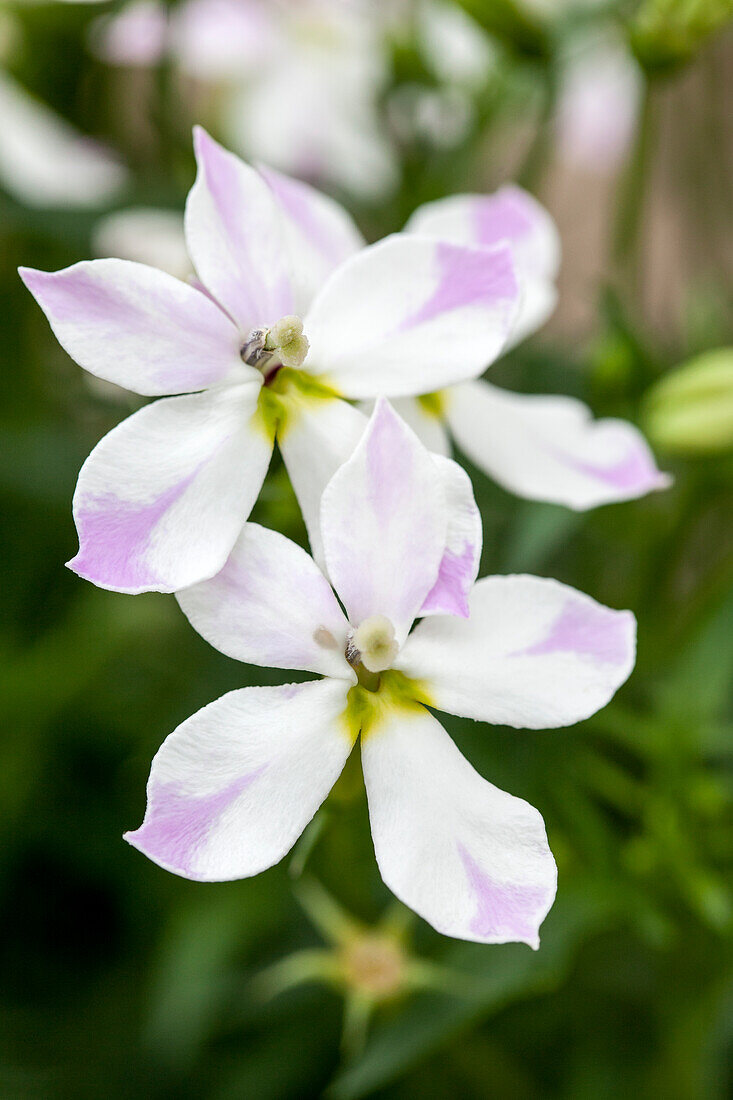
234	786
161	500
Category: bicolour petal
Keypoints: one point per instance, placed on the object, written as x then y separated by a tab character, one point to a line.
470	859
231	790
235	238
409	315
533	654
426	424
319	234
550	448
137	327
271	605
383	524
315	440
462	553
161	500
513	215
464	538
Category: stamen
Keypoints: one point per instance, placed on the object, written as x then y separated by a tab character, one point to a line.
374	641
253	351
287	339
283	345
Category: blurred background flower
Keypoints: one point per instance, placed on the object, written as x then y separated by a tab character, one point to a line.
119	980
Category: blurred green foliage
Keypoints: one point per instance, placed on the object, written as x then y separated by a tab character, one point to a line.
119	980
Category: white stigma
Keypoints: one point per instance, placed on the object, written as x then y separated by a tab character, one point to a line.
375	641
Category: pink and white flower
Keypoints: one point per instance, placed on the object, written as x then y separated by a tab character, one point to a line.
541	447
289	315
233	787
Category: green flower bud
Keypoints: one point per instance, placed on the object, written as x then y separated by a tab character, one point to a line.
666	34
691	408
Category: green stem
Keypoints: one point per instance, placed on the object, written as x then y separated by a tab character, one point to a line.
630	208
538	153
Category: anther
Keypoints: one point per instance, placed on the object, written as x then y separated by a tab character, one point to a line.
287	340
374	640
253	351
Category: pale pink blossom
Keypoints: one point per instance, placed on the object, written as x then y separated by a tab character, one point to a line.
234	786
288	315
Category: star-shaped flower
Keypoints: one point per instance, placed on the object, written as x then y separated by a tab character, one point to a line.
290	315
234	786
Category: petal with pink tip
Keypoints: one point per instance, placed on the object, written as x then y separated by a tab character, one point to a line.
472	860
410	315
271	605
161	500
232	788
533	654
429	427
383	524
510	214
462	553
235	237
550	448
138	327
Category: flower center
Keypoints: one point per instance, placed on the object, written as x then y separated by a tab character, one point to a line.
282	345
372	645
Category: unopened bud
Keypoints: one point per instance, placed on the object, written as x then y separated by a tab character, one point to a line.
691	408
666	34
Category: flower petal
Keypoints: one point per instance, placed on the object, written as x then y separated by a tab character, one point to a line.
410	315
137	327
512	215
316	439
319	233
383	524
534	654
428	426
44	161
462	554
470	859
232	789
271	605
161	500
550	448
235	239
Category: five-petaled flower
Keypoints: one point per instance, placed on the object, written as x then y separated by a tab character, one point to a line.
541	447
234	786
290	315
